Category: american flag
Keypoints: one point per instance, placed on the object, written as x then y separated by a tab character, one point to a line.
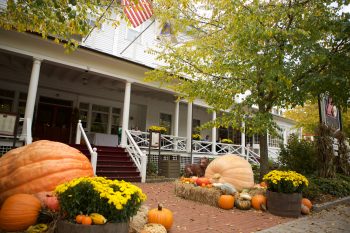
137	13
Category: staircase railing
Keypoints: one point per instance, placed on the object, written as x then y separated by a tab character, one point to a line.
139	158
92	151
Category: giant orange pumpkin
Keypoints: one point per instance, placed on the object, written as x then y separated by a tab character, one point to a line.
231	169
161	216
40	166
19	212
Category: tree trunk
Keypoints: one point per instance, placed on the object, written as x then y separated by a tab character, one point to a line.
264	155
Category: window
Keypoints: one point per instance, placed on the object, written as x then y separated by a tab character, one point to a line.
132	33
6	100
165	121
195	124
99	119
115	120
276	141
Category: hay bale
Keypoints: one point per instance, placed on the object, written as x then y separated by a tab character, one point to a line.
207	196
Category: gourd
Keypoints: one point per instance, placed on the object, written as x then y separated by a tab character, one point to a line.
259	202
48	200
243	201
226	201
18	212
161	216
304	209
40	166
202	180
306	202
231	169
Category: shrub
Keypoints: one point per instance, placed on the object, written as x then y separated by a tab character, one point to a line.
299	156
151	169
338	186
116	200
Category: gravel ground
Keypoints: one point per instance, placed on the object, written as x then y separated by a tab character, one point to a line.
334	220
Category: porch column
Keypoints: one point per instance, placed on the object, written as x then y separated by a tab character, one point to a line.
243	138
213	135
126	110
176	120
189	126
285	140
32	92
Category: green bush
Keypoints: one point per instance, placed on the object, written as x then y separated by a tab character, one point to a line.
151	169
299	156
338	186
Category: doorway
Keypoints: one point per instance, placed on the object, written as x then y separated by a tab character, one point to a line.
53	120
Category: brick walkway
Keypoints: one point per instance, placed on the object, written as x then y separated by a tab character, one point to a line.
190	216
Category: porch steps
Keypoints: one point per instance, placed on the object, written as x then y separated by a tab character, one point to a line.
113	163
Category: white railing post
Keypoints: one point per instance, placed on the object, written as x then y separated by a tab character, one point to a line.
143	167
213	135
243	138
247	156
78	133
28	126
94	159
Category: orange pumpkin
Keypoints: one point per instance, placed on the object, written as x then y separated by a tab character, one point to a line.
231	169
79	218
259	202
19	212
202	181
306	202
161	216
226	202
40	166
86	220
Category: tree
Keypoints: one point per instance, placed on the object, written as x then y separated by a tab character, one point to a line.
60	19
275	52
307	117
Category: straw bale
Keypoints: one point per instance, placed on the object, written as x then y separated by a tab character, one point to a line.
207	196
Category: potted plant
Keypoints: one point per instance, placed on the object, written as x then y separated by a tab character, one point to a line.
196	136
284	192
227	140
157	129
113	201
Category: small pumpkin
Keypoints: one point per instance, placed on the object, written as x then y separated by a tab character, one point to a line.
79	218
306	202
86	220
259	202
226	201
305	210
19	211
161	216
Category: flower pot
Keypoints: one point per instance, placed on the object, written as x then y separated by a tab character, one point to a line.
284	204
65	226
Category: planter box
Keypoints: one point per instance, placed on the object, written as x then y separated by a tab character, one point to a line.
284	204
170	168
65	227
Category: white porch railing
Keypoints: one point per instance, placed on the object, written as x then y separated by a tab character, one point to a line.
139	158
26	134
178	144
167	142
93	153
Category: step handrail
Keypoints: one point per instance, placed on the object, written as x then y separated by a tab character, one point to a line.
139	158
92	151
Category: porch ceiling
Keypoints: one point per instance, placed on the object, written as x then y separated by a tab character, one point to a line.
49	70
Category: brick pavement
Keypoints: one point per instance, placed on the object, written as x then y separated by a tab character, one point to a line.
190	216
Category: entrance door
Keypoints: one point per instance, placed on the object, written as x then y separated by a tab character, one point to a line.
53	120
